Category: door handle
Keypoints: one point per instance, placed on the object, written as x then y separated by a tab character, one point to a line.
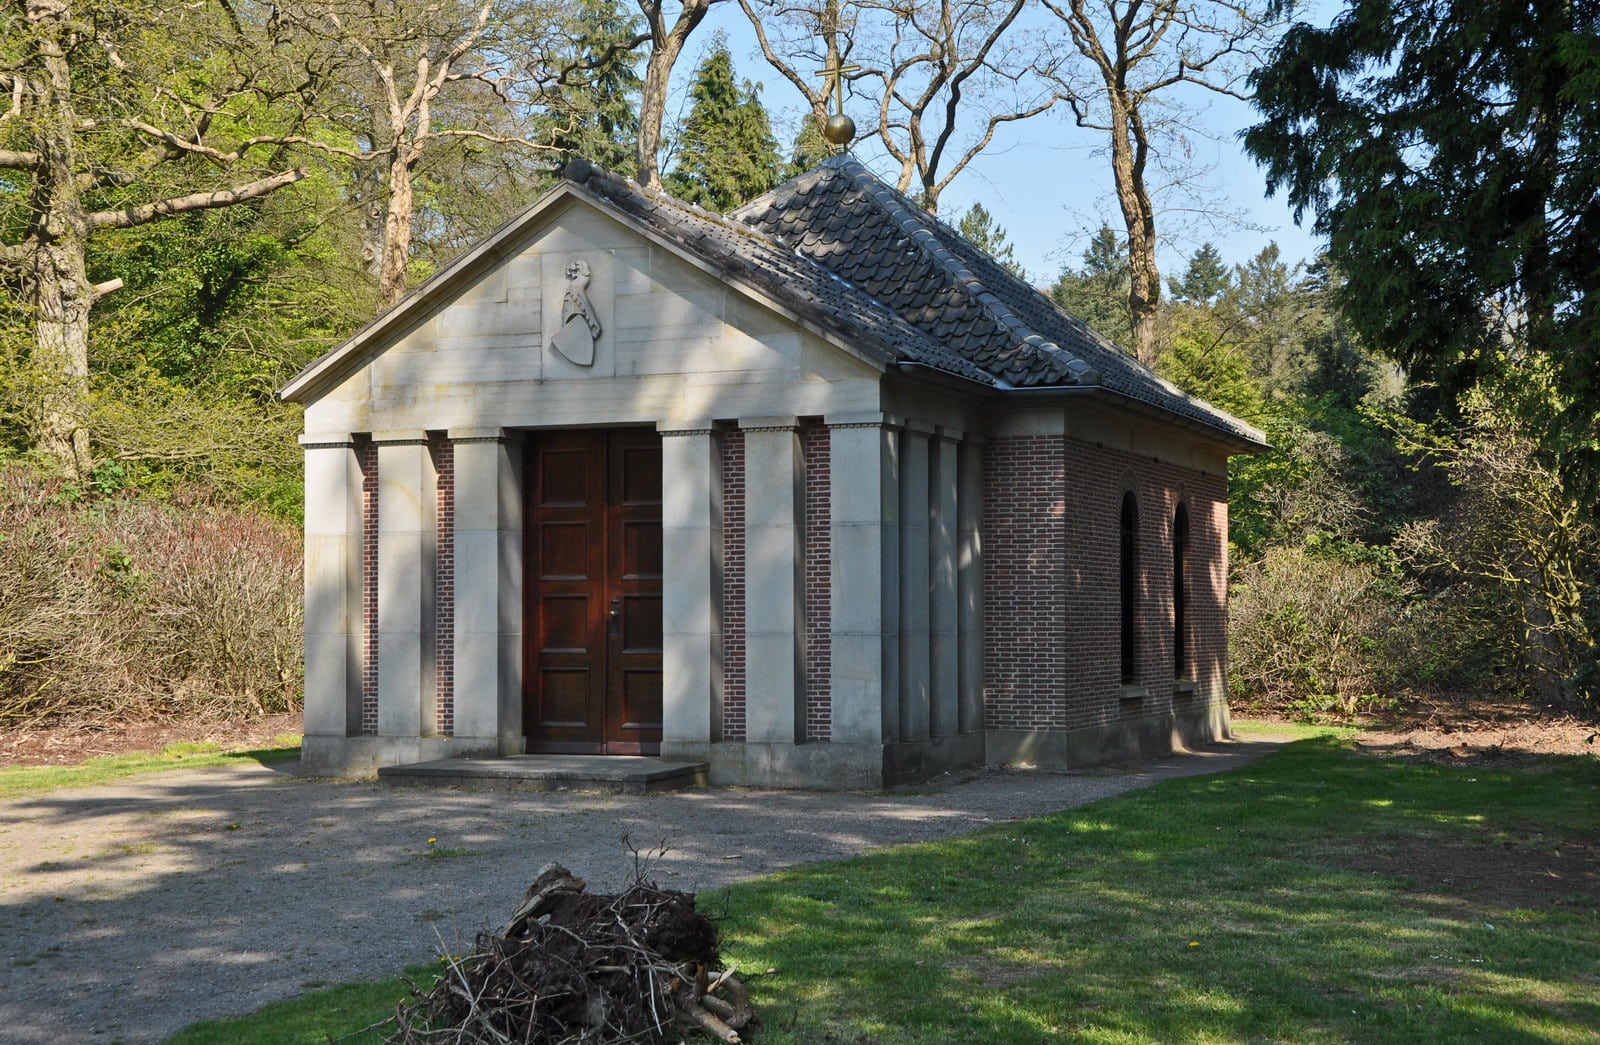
616	616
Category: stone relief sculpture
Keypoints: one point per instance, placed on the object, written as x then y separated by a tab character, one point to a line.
579	327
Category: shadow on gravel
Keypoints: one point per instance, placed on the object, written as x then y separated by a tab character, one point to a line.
131	910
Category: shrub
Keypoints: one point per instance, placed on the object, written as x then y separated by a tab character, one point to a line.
120	607
1308	632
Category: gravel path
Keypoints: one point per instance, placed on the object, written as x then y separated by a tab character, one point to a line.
131	910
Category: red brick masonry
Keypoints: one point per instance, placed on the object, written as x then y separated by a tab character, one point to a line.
367	458
444	594
818	549
733	708
1051	638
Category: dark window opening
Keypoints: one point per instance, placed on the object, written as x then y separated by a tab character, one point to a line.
1180	593
1129	582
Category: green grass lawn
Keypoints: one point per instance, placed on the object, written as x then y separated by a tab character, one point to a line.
1320	895
20	780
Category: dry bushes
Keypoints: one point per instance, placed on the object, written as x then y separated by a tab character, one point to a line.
123	607
1308	633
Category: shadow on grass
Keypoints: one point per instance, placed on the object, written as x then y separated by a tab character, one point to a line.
1228	908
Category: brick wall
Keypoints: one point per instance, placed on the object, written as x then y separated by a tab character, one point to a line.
1052	550
818	551
367	458
1024	545
733	645
444	464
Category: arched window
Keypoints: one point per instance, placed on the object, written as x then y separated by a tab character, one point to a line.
1129	585
1180	592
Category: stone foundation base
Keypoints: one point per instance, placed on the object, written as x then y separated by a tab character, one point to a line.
831	766
1146	736
341	756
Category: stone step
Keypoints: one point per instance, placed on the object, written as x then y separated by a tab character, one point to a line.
632	774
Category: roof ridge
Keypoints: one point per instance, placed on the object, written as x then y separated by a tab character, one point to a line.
905	215
587	170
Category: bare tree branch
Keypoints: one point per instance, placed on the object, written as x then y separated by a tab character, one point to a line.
128	217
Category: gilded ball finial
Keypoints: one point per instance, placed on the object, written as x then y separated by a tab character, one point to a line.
839	130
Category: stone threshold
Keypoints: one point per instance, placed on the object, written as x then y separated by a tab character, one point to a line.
632	774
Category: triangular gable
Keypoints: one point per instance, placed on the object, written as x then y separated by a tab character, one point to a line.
760	270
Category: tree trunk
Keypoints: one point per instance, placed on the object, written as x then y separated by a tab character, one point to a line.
665	46
60	288
652	108
1129	149
62	297
392	275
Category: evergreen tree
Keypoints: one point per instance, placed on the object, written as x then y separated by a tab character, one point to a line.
1206	277
1098	292
726	151
810	147
1450	150
979	228
1338	365
592	109
1262	306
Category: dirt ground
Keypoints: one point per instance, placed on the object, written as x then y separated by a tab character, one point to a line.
1452	731
68	746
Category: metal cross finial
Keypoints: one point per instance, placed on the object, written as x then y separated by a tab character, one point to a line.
839	129
835	72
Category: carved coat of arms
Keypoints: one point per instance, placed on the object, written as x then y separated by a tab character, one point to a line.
579	327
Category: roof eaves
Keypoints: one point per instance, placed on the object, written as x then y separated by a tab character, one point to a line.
1245	439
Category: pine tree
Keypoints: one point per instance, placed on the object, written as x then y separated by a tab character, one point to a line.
1206	277
1098	292
726	151
593	111
980	229
810	147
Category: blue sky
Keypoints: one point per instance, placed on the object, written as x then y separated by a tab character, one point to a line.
1047	183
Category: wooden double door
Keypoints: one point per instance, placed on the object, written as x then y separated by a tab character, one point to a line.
594	592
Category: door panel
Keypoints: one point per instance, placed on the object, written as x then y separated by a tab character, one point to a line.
594	592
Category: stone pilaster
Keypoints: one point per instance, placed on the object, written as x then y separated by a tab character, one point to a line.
488	591
405	611
333	587
915	709
774	582
943	617
969	584
864	509
690	474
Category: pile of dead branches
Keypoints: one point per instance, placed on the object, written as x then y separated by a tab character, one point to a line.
640	966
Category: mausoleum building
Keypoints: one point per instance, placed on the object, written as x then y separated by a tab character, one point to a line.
814	492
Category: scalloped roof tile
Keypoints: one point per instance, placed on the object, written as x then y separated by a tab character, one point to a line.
910	262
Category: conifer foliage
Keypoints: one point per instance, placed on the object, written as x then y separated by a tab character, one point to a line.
726	153
980	229
1448	148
